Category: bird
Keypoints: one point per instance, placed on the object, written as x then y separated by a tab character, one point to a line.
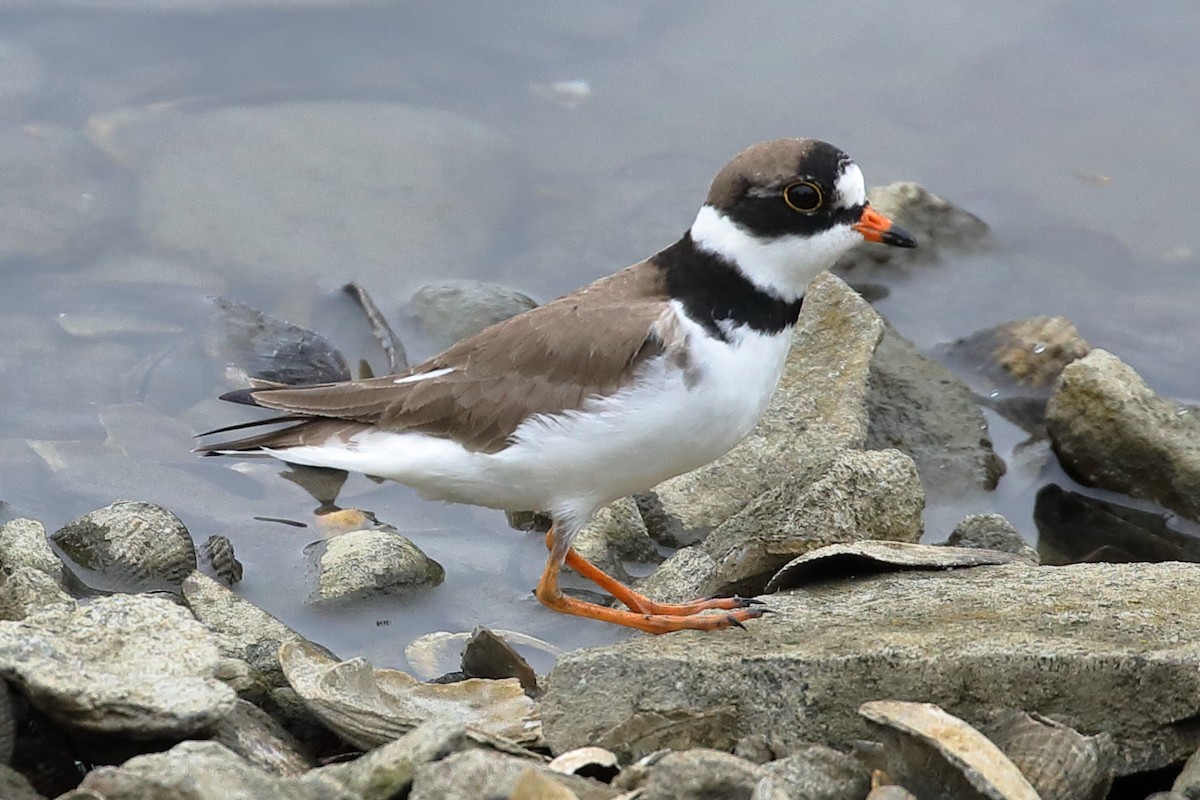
645	374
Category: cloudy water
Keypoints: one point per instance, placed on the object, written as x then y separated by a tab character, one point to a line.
153	159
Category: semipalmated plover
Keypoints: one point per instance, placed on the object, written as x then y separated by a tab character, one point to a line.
641	376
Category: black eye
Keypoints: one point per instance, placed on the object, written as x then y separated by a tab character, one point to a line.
804	196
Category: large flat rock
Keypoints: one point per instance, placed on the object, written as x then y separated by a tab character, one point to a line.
1111	647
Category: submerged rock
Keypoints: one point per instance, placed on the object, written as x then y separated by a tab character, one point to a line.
129	546
1110	430
370	562
452	310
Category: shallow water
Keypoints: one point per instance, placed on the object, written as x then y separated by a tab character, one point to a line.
154	159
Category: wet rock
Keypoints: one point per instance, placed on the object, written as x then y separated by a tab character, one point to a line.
370	562
1058	761
202	771
218	552
937	755
129	546
818	409
991	532
220	185
1111	431
128	664
57	205
25	590
814	773
460	776
369	706
860	495
23	544
452	310
856	559
440	652
489	656
274	349
15	786
699	773
255	736
938	225
1076	641
1012	367
919	407
241	629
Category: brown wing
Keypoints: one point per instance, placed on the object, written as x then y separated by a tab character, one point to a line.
547	360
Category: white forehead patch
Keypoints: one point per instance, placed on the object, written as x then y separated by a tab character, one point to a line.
850	187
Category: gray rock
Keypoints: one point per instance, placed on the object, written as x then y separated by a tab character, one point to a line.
8	725
859	495
221	186
241	629
1187	783
25	590
129	546
938	226
919	407
202	771
819	408
387	771
369	562
991	532
452	310
815	772
1023	354
254	735
129	664
218	552
700	773
1058	761
483	775
23	544
1076	641
15	786
1111	431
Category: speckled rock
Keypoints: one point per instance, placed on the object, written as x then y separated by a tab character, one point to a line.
859	495
919	407
129	546
991	532
1076	641
1112	431
255	736
202	771
15	786
616	534
370	562
25	590
23	544
698	773
815	772
460	776
241	629
129	664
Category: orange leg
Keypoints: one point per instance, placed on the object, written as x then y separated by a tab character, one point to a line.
646	614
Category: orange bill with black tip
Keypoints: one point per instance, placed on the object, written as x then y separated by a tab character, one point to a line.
875	227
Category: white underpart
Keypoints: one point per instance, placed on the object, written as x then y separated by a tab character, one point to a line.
663	424
424	376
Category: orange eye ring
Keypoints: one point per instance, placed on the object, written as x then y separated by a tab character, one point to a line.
804	197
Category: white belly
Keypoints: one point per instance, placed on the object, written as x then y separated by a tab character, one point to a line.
666	423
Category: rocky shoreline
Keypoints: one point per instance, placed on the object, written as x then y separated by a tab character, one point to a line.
890	669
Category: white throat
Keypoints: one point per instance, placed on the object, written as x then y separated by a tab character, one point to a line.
783	265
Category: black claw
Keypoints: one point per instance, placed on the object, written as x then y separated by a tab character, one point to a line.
735	622
761	611
750	601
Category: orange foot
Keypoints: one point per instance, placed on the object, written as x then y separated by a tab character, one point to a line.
645	614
